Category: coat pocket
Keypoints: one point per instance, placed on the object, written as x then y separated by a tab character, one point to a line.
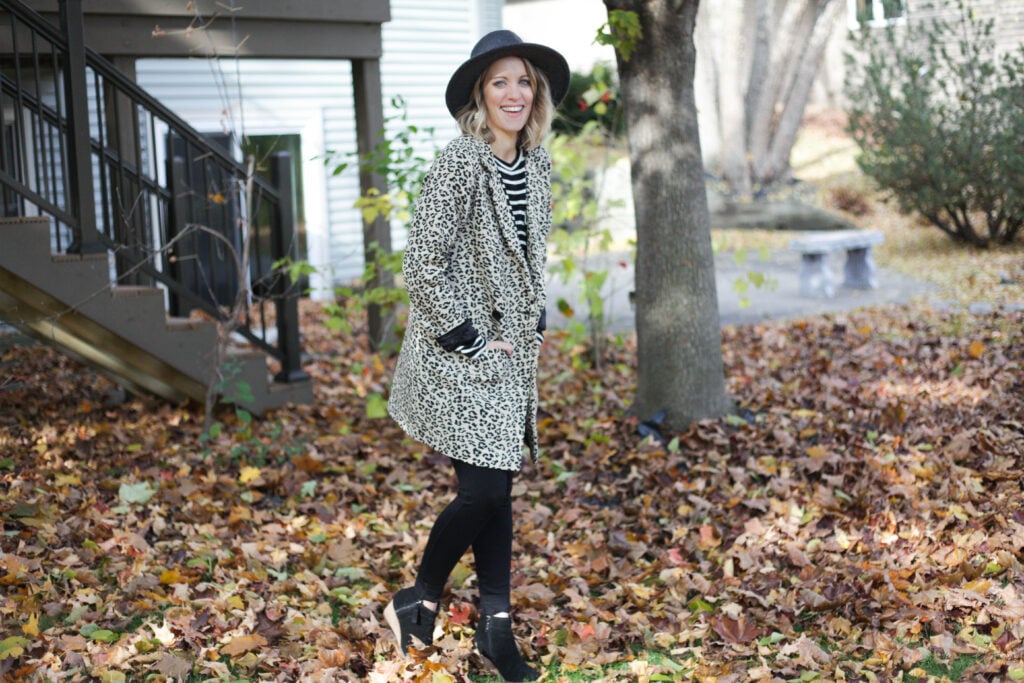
491	366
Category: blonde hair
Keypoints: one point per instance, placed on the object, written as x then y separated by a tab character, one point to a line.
472	118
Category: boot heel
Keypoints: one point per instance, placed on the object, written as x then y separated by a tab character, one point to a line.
496	645
409	620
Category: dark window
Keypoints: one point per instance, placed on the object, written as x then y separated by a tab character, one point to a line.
869	11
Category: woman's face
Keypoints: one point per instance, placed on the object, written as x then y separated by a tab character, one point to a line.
508	96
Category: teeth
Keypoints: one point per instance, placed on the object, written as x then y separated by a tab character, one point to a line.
512	109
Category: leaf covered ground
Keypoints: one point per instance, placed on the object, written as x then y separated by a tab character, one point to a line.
858	518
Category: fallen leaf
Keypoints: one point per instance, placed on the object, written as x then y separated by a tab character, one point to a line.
242	644
735	631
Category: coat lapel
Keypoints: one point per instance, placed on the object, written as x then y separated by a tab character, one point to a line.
503	215
537	211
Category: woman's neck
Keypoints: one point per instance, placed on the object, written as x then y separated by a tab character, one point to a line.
505	149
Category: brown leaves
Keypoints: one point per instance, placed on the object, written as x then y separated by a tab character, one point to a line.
242	644
860	514
735	631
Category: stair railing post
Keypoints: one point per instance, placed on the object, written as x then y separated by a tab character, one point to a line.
286	294
87	239
366	86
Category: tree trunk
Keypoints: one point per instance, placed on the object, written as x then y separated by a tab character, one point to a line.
733	64
765	57
775	165
680	368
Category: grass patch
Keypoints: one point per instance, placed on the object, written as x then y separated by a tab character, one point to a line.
951	670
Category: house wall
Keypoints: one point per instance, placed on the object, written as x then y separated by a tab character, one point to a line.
423	43
1008	16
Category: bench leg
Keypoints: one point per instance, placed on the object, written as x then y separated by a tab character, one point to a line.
859	272
815	277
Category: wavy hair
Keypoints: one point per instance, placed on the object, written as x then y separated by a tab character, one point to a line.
472	118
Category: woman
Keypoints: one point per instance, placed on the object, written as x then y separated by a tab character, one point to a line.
466	379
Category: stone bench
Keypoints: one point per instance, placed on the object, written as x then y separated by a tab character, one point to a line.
815	276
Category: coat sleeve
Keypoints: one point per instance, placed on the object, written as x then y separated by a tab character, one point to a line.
443	206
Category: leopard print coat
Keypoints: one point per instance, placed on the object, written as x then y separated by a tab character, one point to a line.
463	262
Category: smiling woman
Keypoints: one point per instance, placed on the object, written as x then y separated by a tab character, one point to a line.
466	379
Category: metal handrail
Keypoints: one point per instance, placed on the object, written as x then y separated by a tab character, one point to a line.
154	177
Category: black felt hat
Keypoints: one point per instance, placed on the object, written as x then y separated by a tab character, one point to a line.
494	46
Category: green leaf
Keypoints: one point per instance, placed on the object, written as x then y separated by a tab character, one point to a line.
104	636
699	604
565	308
334	323
13	647
6	463
136	493
993	568
771	639
735	421
243	393
376	406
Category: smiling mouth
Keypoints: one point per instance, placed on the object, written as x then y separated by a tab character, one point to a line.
512	110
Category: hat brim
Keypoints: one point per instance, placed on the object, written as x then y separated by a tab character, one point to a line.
553	64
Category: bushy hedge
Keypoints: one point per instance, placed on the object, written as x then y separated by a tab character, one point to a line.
593	97
939	118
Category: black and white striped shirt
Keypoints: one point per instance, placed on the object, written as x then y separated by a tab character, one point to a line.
513	177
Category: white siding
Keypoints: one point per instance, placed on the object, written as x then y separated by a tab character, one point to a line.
489	15
423	44
264	97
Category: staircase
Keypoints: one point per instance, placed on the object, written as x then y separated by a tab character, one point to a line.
117	227
68	301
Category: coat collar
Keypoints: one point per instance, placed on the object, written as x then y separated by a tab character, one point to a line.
531	265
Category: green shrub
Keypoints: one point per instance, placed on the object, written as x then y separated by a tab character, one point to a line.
591	97
939	118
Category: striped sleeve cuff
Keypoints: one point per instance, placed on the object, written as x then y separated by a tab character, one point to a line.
463	339
473	348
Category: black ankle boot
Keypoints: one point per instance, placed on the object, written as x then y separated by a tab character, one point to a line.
409	619
496	643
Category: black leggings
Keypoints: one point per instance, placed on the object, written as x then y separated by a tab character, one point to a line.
480	516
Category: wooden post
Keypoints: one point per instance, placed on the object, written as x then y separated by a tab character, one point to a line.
286	294
83	203
376	233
